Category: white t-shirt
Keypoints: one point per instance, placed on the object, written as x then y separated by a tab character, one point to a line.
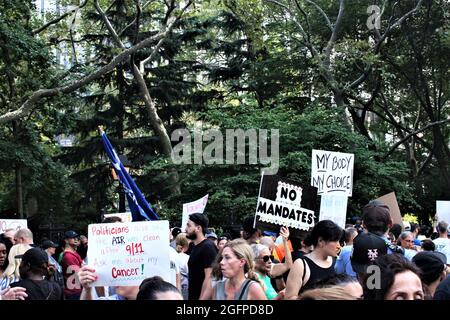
174	265
443	245
184	269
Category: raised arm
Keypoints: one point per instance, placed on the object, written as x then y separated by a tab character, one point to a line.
280	268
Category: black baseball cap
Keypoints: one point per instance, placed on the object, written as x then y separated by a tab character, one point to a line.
366	248
201	220
432	263
48	244
36	257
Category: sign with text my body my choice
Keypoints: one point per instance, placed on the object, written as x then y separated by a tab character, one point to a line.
332	172
124	254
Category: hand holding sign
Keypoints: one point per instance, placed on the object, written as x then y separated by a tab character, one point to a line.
284	232
87	275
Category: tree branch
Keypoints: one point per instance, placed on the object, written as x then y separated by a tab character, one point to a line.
161	41
330	26
336	28
108	25
397	23
56	20
395	146
36	96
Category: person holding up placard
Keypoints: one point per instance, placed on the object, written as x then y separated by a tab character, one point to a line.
87	275
266	270
317	265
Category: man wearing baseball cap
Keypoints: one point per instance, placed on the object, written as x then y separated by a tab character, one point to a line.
366	248
433	265
202	256
50	247
376	221
71	263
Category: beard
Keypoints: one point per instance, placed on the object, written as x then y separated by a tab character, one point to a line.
191	236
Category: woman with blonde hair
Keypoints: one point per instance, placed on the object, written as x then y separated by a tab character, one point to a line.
12	273
182	245
237	267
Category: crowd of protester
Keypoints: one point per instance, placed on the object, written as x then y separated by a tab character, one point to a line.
371	259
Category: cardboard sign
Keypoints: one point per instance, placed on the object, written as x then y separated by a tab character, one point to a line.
124	254
15	224
391	201
283	203
443	211
125	216
197	206
332	172
334	208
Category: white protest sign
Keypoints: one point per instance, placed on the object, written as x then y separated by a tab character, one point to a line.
332	172
125	216
197	206
443	211
124	254
15	224
334	208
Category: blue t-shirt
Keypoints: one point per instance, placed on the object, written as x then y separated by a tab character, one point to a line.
343	263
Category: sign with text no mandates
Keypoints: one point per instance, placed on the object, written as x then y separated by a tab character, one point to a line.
124	254
284	203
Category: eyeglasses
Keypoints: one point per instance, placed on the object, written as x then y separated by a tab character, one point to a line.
266	258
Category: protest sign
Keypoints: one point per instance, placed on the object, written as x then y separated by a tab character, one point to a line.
443	211
284	203
124	254
332	172
197	206
391	201
15	224
334	208
125	216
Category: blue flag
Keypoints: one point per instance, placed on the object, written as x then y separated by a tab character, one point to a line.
139	207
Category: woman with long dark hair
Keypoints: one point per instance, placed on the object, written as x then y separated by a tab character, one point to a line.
319	263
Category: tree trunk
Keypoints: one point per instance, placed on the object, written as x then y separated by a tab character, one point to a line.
159	128
18	171
443	160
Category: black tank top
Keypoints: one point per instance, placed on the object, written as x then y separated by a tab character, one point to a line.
317	273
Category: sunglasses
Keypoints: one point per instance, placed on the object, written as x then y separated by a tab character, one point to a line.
266	258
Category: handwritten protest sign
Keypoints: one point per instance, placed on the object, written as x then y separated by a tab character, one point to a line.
334	208
283	203
197	206
15	224
443	211
332	172
124	254
391	201
125	216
